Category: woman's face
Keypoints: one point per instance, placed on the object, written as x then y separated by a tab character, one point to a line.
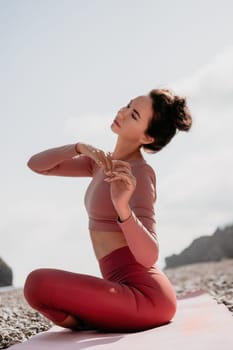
132	121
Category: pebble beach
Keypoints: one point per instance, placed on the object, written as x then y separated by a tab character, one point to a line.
19	322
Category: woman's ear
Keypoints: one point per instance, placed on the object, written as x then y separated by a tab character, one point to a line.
146	139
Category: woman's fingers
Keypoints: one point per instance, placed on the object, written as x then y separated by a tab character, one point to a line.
122	170
120	163
105	161
102	159
119	171
122	176
109	162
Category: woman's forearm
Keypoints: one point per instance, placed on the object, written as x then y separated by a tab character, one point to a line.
142	243
49	158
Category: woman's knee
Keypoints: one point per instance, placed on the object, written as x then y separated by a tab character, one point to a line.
36	286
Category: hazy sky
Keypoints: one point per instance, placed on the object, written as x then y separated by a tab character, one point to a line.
66	67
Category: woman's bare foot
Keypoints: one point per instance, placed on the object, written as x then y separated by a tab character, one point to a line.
71	322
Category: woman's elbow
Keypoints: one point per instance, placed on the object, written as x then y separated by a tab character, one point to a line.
29	164
32	167
149	262
149	259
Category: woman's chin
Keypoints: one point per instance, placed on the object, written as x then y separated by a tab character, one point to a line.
113	128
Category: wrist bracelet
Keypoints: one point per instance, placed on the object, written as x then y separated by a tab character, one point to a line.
119	219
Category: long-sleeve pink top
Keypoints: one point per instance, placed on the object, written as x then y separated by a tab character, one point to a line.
140	228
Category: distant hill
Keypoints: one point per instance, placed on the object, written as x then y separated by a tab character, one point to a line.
205	248
6	275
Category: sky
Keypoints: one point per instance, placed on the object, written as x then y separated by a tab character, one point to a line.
66	67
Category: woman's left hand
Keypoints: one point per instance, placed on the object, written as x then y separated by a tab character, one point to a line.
122	183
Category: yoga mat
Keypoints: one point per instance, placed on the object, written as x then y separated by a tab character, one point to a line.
200	323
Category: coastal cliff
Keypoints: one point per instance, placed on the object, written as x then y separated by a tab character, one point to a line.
6	274
216	247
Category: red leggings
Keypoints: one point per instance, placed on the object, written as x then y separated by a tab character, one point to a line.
129	297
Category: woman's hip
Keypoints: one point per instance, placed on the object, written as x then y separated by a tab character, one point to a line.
121	266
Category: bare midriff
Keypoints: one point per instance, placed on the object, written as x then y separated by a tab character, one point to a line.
105	242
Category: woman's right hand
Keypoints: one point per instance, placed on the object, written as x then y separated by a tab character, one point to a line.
102	158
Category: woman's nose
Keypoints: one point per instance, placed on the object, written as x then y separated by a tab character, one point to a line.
122	113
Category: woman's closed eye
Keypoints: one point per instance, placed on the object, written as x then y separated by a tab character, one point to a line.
132	115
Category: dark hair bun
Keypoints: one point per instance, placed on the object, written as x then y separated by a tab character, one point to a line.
170	113
182	116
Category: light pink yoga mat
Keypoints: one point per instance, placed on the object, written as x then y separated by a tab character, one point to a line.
200	323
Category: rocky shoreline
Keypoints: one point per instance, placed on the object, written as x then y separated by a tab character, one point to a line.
216	278
18	321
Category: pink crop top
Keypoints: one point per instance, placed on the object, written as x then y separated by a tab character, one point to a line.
101	212
140	228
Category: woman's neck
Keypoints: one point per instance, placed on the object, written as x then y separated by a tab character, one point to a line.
126	151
